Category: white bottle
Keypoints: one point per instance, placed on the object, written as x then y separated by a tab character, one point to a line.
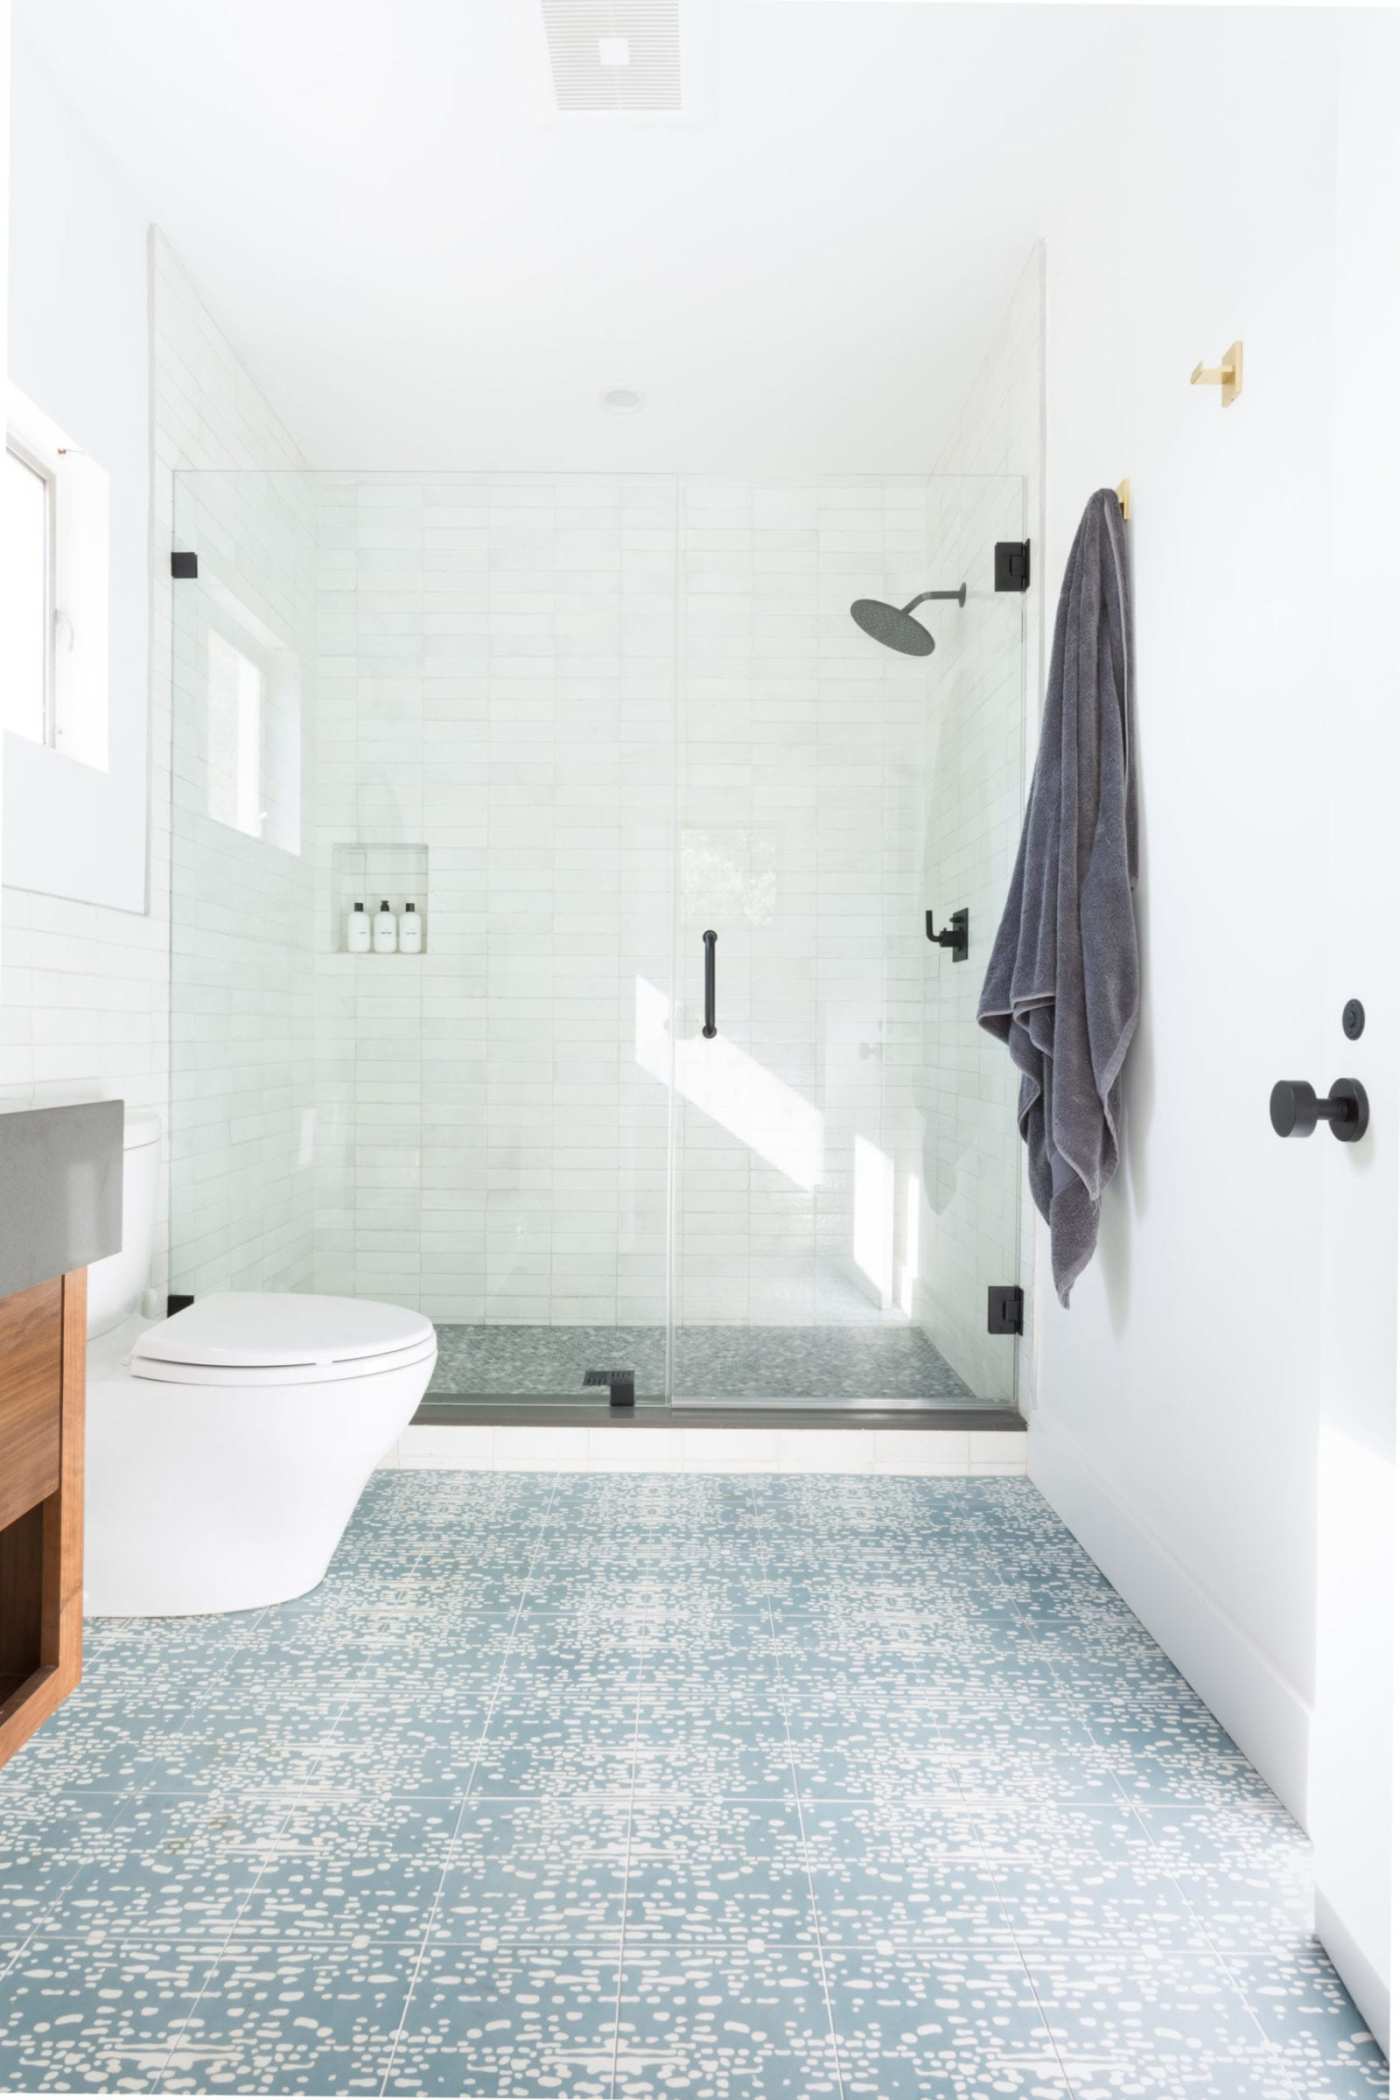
410	930
386	929
357	934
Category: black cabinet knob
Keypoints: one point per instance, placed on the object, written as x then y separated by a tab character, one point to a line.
1295	1109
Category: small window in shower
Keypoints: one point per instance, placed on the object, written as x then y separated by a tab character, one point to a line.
235	737
253	751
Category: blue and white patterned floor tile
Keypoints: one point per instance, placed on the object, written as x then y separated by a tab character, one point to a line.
627	1786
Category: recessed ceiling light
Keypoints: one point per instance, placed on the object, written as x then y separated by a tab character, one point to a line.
614	51
622	400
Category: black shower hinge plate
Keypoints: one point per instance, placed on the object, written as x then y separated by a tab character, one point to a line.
184	567
1006	1309
1012	565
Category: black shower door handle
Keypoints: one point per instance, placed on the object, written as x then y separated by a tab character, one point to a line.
709	1030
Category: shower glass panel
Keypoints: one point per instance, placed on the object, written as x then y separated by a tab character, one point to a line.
487	668
846	1158
579	721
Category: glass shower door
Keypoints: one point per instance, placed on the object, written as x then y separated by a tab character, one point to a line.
846	1155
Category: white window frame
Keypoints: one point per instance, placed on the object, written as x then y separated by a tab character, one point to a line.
16	448
77	659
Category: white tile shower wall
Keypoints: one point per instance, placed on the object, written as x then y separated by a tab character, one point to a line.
208	414
85	990
495	685
242	1081
799	836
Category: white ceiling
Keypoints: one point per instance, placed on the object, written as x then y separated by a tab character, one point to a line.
424	265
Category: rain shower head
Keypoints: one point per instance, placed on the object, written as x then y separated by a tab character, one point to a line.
895	625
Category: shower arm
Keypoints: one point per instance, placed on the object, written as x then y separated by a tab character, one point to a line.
960	594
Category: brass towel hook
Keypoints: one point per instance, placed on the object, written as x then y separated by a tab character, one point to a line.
1228	375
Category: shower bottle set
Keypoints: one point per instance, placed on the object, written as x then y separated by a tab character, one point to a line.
383	933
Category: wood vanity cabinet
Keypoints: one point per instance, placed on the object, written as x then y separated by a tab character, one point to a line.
43	1332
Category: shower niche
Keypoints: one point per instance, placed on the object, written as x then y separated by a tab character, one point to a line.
366	874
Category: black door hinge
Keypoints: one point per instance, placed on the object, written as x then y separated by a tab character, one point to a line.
1006	1309
184	567
1012	565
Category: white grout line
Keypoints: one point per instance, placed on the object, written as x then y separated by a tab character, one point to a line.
626	1883
467	1791
806	1854
221	1951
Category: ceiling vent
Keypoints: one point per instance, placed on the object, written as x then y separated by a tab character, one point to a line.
614	54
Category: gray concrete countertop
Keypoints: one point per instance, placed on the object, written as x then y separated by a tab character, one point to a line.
60	1189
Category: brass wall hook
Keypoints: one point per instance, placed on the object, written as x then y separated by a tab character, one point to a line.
1228	375
1124	493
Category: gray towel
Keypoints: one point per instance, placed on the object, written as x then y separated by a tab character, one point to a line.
1062	986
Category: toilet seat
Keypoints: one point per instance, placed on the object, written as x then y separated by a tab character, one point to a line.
266	1338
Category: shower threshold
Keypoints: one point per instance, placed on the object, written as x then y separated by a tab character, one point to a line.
454	1410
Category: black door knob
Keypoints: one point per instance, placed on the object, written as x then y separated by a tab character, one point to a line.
1296	1111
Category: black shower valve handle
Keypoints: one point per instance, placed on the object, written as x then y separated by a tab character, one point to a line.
1295	1109
954	935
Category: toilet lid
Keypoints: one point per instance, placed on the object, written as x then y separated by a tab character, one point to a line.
280	1330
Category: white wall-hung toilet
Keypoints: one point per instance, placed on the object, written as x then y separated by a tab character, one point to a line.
228	1445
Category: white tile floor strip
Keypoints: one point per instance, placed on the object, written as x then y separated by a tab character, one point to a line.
566	1447
629	1786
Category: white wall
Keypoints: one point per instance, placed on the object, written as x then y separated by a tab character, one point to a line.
79	347
1177	1426
82	994
5	40
1350	1805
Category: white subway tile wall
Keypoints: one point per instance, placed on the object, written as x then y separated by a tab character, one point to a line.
495	685
588	718
243	932
799	845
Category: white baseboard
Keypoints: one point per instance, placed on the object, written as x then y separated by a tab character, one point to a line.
1370	1989
622	1448
1269	1720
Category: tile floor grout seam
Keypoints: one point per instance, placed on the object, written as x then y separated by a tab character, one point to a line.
1131	1809
215	1958
626	1882
536	1549
833	2036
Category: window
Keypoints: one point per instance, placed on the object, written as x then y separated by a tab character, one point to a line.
55	534
252	686
26	602
235	737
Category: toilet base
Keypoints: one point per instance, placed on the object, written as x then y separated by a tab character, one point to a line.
213	1498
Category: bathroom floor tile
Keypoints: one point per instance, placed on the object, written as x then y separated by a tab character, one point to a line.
743	2022
944	2024
74	2018
837	1789
293	2019
522	2021
551	1868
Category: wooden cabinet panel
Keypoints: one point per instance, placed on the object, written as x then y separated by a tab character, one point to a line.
43	1336
31	1376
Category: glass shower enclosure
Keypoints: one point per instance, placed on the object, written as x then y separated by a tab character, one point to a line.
678	1088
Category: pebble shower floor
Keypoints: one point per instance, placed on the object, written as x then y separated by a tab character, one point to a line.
627	1785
